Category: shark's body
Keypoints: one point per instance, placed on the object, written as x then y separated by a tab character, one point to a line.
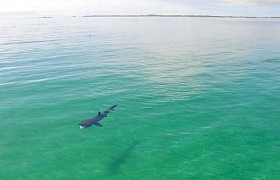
95	120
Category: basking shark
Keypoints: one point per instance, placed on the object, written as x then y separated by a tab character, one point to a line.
95	120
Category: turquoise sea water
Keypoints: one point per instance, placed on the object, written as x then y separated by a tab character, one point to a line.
198	98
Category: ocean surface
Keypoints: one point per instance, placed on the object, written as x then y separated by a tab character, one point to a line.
198	98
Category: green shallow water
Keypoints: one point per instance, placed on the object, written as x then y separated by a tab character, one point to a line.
198	98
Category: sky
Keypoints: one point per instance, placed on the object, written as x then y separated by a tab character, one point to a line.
136	7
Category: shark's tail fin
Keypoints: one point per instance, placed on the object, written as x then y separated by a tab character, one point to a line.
113	108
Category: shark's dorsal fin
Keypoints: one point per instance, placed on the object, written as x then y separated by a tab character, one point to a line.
99	113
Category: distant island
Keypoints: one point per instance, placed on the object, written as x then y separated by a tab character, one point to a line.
157	15
45	17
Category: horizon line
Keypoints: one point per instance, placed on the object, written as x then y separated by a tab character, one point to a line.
178	15
134	15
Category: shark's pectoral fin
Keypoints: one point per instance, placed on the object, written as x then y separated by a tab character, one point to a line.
98	124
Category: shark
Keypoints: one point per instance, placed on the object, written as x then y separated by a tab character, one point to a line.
95	120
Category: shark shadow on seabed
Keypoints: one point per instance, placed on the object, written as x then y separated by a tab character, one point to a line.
118	161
